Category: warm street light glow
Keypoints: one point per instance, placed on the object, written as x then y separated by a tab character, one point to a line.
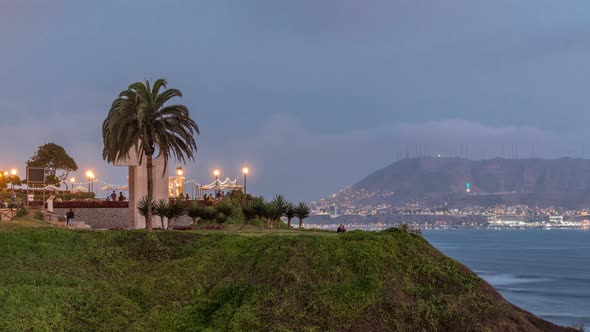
72	180
13	171
245	170
5	173
216	172
90	174
179	171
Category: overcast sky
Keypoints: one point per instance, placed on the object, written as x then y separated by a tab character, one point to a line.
312	95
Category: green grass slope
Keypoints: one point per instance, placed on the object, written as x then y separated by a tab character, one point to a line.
57	279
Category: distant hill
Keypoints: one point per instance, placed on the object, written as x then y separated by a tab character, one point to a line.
434	181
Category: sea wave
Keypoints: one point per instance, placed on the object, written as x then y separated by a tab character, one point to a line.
509	279
545	293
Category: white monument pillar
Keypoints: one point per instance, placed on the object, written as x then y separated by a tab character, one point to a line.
138	186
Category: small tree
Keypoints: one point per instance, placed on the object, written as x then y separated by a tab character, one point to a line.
289	213
208	214
161	209
301	212
281	204
272	212
194	211
142	206
177	209
259	206
225	207
249	212
57	163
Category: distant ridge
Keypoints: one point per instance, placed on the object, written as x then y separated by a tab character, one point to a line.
434	181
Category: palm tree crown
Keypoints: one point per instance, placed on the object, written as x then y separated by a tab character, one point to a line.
139	118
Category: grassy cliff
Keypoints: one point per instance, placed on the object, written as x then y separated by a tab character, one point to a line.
56	279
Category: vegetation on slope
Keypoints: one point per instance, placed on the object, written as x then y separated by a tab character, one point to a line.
57	279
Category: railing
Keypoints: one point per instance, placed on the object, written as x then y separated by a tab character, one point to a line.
89	204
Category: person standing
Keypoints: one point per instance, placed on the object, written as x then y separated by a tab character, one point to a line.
70	218
114	196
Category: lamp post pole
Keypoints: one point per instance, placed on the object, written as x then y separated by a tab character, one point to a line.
216	174
90	176
245	172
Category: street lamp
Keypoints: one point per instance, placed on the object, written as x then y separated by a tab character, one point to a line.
90	176
245	171
12	175
179	171
72	181
216	173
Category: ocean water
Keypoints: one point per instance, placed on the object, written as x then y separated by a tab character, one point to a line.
546	272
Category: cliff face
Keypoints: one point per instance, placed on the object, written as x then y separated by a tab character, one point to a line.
431	181
56	279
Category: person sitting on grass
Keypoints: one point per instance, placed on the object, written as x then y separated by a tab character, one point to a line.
341	229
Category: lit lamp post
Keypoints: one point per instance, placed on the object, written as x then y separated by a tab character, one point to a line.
245	172
72	181
90	176
216	174
13	173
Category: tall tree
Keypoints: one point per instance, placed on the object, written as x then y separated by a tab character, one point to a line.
301	212
57	163
139	119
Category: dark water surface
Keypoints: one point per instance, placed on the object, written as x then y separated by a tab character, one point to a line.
546	272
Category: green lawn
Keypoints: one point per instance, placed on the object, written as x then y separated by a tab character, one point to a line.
54	278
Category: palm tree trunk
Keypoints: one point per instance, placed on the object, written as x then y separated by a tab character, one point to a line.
150	191
288	223
300	222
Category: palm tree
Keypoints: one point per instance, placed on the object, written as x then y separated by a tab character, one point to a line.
194	211
249	212
272	212
161	209
259	206
289	213
301	212
142	206
281	204
140	120
176	209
